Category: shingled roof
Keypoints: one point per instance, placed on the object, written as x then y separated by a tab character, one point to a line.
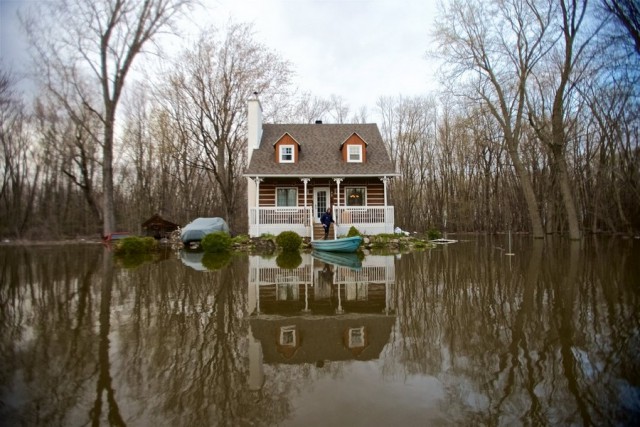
320	153
322	337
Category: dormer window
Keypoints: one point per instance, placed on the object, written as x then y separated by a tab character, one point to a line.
354	149
286	149
288	336
354	155
286	153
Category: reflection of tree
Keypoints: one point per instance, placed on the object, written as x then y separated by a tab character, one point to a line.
50	351
165	343
541	337
104	376
188	345
546	337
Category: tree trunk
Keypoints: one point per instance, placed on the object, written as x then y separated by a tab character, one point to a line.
109	219
566	193
529	195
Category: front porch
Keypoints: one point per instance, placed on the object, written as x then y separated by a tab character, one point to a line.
369	220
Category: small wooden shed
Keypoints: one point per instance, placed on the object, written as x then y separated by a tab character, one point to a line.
158	227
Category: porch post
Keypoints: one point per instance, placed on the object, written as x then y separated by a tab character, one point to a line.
338	181
335	227
384	180
305	181
257	180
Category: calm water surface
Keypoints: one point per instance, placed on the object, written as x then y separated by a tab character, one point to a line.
458	335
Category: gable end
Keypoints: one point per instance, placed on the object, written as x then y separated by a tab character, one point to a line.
354	149
287	149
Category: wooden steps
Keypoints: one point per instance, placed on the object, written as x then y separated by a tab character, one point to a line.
318	231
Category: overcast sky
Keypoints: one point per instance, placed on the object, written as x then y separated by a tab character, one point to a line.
11	43
357	49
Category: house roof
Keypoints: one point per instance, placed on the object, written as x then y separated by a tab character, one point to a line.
354	133
320	153
322	338
157	220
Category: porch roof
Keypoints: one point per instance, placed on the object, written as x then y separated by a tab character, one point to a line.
320	153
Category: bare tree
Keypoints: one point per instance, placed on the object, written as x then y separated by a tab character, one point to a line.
490	50
212	82
97	46
19	166
66	144
339	110
139	151
548	113
360	116
627	13
408	127
309	108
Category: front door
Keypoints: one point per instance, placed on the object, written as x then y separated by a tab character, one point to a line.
320	202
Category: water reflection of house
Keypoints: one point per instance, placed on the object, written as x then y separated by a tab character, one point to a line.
317	287
318	311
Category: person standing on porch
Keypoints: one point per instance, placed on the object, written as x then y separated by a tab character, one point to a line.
326	219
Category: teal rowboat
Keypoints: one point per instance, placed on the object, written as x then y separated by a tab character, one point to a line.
346	244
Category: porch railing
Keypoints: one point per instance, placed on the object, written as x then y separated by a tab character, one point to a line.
283	216
274	220
368	219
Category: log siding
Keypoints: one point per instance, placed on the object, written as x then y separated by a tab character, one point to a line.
374	196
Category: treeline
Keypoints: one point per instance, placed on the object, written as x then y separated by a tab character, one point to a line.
538	131
535	128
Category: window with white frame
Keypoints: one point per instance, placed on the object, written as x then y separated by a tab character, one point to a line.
286	153
357	337
288	336
287	292
355	196
286	197
354	153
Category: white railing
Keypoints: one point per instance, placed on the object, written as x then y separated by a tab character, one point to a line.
269	216
363	214
366	274
367	219
276	220
272	275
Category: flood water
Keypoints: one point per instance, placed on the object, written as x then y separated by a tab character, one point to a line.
461	334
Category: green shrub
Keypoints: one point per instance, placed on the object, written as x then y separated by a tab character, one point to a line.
241	239
433	234
289	241
385	237
134	260
135	245
216	260
353	232
289	260
216	242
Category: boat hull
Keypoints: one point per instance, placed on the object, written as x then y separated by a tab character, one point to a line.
347	244
339	259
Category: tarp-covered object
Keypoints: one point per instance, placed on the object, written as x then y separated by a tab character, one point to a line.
200	227
193	260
